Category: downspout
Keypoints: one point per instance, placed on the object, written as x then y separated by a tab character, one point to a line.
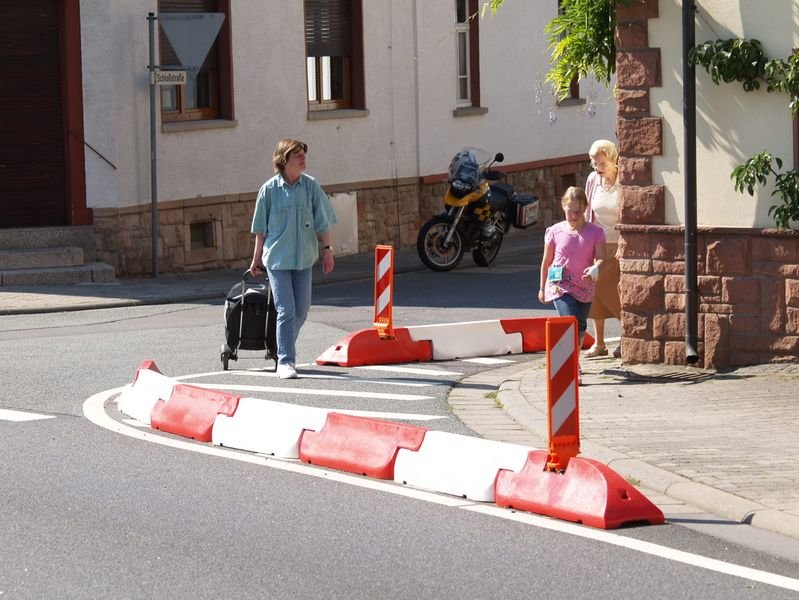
417	94
689	131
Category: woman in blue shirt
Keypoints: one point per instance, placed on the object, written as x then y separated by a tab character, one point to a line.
292	212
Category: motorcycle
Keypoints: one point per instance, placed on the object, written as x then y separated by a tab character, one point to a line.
478	212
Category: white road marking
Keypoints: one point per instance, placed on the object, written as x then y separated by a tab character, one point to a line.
313	392
134	423
19	416
93	409
411	370
336	377
488	361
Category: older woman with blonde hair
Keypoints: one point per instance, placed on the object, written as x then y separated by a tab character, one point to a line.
603	191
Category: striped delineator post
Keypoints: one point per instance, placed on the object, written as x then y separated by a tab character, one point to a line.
384	291
563	407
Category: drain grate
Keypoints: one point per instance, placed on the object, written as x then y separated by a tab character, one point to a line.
665	376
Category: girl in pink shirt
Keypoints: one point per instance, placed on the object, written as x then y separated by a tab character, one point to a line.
573	252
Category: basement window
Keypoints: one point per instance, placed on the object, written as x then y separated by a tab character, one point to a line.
202	235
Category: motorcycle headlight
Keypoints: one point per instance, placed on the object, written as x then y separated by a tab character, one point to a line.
460	186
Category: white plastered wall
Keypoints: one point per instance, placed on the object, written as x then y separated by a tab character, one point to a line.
731	125
513	62
410	95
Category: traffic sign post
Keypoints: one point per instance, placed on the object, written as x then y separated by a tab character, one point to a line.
563	409
384	291
191	36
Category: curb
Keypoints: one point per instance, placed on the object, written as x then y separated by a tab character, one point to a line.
517	407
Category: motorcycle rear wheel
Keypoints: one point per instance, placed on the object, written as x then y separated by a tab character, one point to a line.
485	252
431	249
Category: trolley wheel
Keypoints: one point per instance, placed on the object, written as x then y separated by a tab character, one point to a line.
225	359
274	358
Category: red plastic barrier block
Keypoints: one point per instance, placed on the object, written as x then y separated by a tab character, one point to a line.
533	330
146	365
191	411
365	347
587	492
534	334
359	444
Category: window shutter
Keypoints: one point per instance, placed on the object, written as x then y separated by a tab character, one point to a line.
328	27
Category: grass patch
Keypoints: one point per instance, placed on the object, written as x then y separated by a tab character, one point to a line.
494	396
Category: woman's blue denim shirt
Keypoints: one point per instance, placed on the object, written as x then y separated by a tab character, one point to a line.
290	217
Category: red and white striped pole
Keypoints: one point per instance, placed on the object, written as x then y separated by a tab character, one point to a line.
563	407
384	291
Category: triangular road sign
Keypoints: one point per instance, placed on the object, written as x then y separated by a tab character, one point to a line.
191	35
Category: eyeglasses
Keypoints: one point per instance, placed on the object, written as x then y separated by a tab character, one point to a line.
601	163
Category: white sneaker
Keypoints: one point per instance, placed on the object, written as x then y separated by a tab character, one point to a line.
286	371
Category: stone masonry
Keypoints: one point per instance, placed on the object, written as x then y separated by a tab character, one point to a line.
389	212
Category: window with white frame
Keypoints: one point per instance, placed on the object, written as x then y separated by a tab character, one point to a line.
467	52
462	50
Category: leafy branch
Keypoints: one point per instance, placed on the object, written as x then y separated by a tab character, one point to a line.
745	61
731	60
757	170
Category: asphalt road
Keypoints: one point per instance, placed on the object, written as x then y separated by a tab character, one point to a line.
124	512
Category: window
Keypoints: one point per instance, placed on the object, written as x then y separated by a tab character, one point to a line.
462	43
467	49
334	54
209	95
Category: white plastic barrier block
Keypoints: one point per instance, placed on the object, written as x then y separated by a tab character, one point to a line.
457	464
267	427
138	398
468	339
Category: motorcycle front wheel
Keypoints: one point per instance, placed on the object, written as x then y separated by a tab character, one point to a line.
485	252
430	244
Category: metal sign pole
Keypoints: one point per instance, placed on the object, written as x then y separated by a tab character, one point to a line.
153	164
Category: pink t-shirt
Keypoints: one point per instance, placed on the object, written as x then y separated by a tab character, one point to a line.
575	251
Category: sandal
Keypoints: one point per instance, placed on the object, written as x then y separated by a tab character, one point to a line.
595	351
617	352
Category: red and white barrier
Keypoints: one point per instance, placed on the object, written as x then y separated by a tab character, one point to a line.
459	465
191	411
475	468
423	343
359	444
559	483
384	291
267	427
466	340
149	386
563	406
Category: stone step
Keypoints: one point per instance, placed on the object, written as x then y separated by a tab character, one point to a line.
40	258
94	272
81	236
